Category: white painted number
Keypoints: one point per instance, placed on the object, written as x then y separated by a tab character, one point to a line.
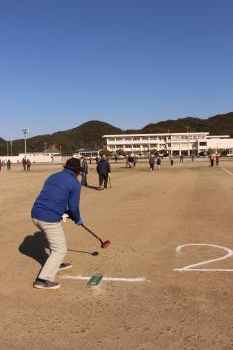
196	267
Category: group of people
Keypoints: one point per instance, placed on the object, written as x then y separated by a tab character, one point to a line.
8	164
103	169
130	160
26	164
152	162
213	158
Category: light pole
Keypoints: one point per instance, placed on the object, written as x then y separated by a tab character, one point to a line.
7	148
25	132
11	147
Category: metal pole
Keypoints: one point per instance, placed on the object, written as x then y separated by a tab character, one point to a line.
25	132
11	148
7	148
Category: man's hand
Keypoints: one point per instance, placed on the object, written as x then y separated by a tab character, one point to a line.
64	217
80	222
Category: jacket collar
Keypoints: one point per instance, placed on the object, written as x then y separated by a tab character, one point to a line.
69	171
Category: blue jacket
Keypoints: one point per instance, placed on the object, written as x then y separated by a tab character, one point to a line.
61	191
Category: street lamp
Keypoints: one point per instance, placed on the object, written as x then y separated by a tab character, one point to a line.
25	132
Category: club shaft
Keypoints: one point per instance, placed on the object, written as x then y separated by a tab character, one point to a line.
92	233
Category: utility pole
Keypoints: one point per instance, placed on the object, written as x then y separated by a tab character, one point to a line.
11	147
25	132
7	148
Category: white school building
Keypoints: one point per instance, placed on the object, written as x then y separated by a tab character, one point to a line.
187	143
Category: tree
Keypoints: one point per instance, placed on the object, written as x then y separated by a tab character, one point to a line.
105	152
120	152
224	152
210	151
154	151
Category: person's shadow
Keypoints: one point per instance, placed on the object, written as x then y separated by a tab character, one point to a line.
35	246
93	187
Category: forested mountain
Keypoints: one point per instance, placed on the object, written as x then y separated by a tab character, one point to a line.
218	125
89	135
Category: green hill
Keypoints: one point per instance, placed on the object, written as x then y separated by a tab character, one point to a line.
218	125
86	135
89	135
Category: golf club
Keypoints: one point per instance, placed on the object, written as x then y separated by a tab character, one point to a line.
103	244
109	178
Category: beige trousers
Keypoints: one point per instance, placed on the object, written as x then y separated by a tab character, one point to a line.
57	244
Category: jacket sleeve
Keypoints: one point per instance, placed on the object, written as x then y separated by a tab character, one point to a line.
73	202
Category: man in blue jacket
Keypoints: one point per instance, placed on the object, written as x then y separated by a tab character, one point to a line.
61	192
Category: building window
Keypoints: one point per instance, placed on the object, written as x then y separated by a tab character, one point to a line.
136	138
203	143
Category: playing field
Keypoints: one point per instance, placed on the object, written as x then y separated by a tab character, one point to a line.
147	217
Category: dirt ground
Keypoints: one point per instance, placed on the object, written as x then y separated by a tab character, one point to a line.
146	216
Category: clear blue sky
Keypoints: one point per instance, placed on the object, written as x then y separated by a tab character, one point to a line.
125	62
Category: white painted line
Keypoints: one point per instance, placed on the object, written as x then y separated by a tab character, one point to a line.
113	279
193	267
205	270
227	171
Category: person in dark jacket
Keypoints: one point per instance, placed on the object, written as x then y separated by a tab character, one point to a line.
152	162
8	164
24	162
103	169
61	192
28	164
84	166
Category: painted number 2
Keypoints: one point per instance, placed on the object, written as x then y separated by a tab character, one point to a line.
196	267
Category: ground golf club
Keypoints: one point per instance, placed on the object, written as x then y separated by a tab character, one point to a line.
103	244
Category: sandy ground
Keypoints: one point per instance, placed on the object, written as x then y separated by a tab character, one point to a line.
146	216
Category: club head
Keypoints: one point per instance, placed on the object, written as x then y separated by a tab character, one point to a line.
105	244
95	253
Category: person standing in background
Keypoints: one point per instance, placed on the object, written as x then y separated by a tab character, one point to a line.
8	164
152	162
103	169
84	167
